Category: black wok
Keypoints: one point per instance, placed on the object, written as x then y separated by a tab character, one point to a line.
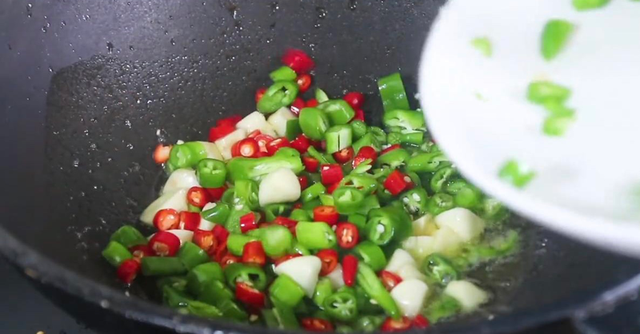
88	87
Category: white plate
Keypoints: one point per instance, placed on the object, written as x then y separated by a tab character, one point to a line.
588	181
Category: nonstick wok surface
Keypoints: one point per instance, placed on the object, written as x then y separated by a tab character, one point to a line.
88	88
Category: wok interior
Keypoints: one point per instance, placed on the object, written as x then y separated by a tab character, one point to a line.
105	114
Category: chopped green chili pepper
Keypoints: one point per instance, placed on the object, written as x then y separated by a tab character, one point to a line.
339	111
310	205
342	306
415	178
211	173
558	109
282	316
406	120
236	242
218	214
359	220
297	248
556	126
247	193
241	168
314	123
162	266
483	44
176	282
321	96
326	199
388	224
366	140
371	254
347	200
411	138
370	283
443	307
338	137
228	196
193	208
286	290
300	215
369	323
238	272
393	159
344	329
492	209
204	310
415	201
441	177
322	158
555	36
440	203
384	195
324	289
393	93
427	162
115	253
293	129
231	310
128	236
363	182
278	95
186	155
359	129
516	174
369	203
542	91
191	255
315	235
202	275
276	240
581	5
312	192
272	211
502	246
233	221
283	73
439	269
468	197
366	303
174	298
215	292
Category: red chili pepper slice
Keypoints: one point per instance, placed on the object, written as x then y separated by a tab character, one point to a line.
286	222
297	105
301	143
249	295
263	142
304	82
354	99
392	325
140	251
285	258
310	164
205	240
298	60
359	115
219	252
349	269
254	133
396	182
326	213
215	194
277	144
128	270
333	187
348	235
304	182
166	219
329	259
189	220
218	132
247	148
365	153
197	197
389	279
253	252
390	148
420	322
331	173
161	153
248	222
164	243
229	121
259	93
312	103
221	233
316	325
228	259
344	155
